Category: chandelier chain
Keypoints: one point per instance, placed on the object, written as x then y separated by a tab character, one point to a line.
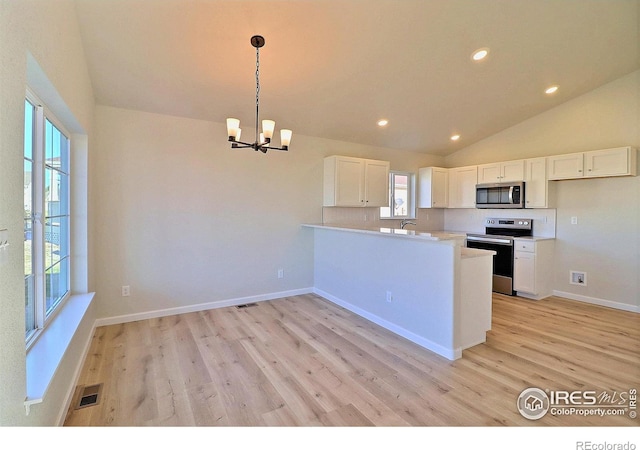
257	93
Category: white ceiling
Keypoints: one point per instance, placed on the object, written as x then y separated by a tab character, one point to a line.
332	68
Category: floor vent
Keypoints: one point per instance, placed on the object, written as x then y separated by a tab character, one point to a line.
89	396
246	305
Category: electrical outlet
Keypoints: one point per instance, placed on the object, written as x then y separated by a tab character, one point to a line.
389	297
126	291
574	220
280	273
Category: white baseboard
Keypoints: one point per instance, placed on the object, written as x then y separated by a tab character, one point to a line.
598	301
449	353
199	307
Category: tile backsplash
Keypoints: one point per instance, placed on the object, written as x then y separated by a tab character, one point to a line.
426	219
473	220
457	220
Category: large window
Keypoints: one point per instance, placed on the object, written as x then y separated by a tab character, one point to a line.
401	194
46	215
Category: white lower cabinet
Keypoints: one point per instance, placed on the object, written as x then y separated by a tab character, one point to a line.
524	276
533	264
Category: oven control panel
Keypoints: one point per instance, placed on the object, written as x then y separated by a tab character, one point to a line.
509	223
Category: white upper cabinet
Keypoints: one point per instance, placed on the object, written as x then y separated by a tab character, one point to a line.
376	182
352	181
565	167
462	187
433	187
489	173
343	181
536	187
611	162
501	172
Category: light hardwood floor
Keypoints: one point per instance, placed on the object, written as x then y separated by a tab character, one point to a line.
303	361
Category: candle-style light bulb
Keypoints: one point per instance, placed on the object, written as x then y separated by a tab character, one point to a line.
285	138
233	127
267	128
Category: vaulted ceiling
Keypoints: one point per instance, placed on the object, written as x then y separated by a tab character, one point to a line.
333	68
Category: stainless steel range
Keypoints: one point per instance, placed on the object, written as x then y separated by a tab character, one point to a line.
498	237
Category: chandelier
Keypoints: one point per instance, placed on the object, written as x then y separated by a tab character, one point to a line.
262	140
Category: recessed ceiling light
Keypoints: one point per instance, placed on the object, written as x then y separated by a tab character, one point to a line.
455	137
383	122
551	90
480	54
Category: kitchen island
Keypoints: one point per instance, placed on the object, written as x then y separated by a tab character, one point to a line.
425	286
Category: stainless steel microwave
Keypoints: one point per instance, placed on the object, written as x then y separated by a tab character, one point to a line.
500	195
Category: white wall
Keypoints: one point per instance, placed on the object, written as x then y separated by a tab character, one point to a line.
184	220
358	271
606	117
606	241
47	32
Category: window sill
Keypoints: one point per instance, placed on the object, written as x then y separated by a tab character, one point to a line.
46	353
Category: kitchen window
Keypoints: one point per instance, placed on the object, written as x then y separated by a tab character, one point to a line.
46	216
401	195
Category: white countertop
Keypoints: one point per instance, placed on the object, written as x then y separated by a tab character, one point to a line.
423	235
445	235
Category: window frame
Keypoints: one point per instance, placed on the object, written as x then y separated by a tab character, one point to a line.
411	196
42	115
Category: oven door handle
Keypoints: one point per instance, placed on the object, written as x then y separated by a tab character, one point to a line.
491	240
